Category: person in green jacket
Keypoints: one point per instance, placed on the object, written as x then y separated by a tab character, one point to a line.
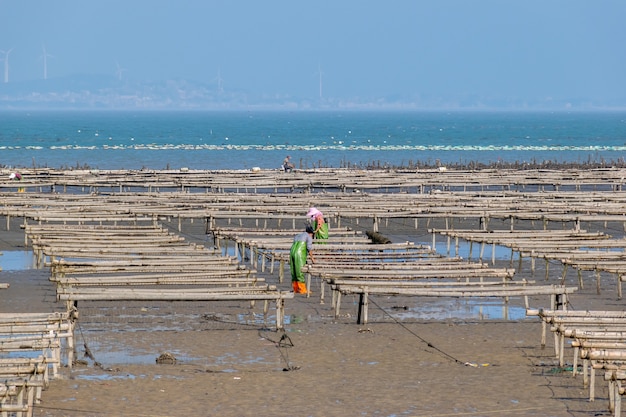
320	227
301	249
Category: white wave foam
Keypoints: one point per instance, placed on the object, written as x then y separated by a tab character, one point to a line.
338	147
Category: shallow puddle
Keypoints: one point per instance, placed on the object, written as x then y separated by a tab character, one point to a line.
17	260
462	309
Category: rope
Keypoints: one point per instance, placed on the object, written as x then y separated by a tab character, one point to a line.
91	412
283	344
87	350
430	345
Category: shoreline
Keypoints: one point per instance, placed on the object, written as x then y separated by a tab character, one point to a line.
379	165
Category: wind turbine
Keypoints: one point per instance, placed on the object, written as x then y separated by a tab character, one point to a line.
45	57
6	64
319	73
219	80
119	70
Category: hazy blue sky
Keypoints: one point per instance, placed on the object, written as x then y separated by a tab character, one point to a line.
512	48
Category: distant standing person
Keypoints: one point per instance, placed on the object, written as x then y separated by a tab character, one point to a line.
287	165
16	176
320	227
301	249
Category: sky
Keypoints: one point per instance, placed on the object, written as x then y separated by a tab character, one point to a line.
523	49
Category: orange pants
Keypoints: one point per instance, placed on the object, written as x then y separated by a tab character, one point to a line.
299	287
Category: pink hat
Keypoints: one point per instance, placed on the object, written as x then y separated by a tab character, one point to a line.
313	212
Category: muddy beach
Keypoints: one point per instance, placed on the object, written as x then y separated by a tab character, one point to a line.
415	357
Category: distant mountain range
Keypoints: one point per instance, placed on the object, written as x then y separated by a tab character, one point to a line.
106	92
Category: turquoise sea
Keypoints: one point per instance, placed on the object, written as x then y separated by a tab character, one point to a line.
242	140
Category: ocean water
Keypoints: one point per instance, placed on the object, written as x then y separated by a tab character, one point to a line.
242	140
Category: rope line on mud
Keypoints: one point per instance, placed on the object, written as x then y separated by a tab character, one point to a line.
546	377
88	352
282	345
93	412
216	319
502	411
430	345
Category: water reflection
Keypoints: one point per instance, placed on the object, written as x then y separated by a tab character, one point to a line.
484	309
17	260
